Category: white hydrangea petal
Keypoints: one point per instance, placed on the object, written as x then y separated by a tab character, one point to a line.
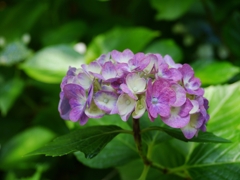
125	105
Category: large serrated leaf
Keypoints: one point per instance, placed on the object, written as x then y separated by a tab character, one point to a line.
219	161
118	152
90	141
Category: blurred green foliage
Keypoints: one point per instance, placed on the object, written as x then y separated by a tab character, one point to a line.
39	40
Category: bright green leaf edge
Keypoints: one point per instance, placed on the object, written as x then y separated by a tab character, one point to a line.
90	141
176	133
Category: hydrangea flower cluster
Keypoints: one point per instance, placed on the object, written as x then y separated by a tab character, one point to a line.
130	84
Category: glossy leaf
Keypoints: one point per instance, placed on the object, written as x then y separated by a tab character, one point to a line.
120	38
204	68
50	64
90	141
171	9
166	46
9	91
118	152
219	161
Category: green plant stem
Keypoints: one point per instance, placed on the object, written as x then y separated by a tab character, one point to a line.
138	141
144	173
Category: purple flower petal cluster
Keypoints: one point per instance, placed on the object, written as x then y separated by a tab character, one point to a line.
130	84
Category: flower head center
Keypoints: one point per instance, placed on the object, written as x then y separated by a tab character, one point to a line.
105	100
127	102
154	100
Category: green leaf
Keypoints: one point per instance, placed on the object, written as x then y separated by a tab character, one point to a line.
119	151
9	91
166	46
90	140
202	136
171	9
12	152
50	64
118	38
224	109
13	53
219	161
66	33
211	72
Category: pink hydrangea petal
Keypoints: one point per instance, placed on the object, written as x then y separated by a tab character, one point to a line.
175	120
186	108
187	73
109	71
168	59
180	95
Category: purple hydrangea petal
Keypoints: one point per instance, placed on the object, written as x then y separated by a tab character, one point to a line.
168	59
103	58
105	101
123	57
64	107
76	113
83	119
74	91
191	129
125	89
109	71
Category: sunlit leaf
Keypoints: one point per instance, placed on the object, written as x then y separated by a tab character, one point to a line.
51	63
211	72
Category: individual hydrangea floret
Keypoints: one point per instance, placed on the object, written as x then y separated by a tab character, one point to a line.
131	84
